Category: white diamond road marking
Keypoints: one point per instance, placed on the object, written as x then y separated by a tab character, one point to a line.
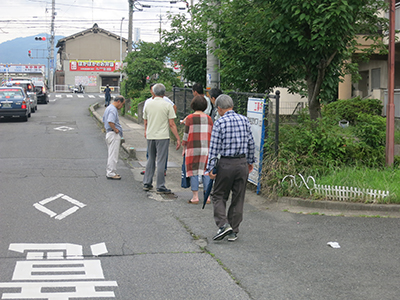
41	207
58	96
80	96
91	96
63	128
69	96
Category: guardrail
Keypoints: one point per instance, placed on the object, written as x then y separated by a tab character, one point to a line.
61	88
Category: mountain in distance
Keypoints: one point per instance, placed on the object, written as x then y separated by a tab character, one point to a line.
16	50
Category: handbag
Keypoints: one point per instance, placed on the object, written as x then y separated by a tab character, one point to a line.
185	181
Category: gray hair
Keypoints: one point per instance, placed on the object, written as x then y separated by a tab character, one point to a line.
224	101
119	99
159	89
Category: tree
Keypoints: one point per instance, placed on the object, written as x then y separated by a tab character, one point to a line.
306	45
187	43
148	61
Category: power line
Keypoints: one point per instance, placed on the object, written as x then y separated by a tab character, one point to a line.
102	8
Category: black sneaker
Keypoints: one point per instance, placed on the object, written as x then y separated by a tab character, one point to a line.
223	232
232	237
147	187
163	190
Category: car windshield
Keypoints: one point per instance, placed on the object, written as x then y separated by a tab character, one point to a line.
11	94
26	86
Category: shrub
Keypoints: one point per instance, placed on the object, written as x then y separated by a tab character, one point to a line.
318	147
350	109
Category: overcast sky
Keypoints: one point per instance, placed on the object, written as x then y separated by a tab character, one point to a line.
21	18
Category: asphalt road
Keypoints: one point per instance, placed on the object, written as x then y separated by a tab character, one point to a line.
67	232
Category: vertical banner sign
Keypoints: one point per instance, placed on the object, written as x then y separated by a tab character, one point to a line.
255	114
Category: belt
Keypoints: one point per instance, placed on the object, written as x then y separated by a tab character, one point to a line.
236	156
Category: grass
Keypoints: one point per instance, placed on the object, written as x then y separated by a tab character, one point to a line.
365	178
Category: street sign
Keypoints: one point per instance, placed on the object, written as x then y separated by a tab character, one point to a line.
255	114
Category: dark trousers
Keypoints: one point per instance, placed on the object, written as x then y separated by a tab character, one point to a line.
232	176
108	99
158	152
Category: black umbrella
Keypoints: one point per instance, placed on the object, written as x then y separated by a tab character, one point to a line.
208	189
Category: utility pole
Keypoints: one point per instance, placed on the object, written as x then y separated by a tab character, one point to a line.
130	26
52	36
390	104
160	25
212	77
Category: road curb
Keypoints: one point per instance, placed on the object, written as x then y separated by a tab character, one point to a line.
336	205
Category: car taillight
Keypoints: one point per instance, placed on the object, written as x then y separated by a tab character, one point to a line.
43	89
23	106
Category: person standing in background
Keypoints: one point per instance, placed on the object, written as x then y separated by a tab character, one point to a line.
196	142
107	94
174	106
113	136
158	119
214	93
197	90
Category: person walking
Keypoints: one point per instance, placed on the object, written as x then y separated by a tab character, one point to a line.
231	138
197	90
107	94
144	105
113	136
196	142
158	119
214	93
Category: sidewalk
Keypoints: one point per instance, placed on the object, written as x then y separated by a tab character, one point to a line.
135	148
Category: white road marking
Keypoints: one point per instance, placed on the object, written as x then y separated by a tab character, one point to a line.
99	249
47	200
56	269
44	210
83	289
40	206
67	213
35	255
73	251
73	201
64	128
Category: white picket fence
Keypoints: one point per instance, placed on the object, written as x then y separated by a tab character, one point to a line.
345	193
341	193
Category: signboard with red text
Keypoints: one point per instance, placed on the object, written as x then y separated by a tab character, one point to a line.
94	65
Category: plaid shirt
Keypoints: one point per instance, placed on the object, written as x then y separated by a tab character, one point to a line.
231	136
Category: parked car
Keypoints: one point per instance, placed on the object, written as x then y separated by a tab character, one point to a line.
14	103
27	84
41	92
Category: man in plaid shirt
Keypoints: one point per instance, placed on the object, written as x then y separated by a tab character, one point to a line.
231	138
